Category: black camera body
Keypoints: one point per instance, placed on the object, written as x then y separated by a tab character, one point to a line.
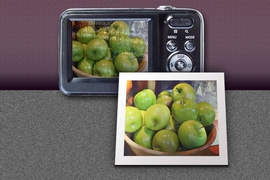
174	39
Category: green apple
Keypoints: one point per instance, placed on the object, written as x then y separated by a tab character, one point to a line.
133	119
157	117
138	46
183	90
86	65
96	49
109	55
192	134
84	49
103	33
120	43
184	109
119	27
144	99
171	125
86	34
207	113
165	92
166	141
106	29
143	137
165	98
126	62
104	68
143	112
176	124
77	51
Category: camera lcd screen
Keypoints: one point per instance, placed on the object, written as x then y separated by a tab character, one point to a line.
101	48
93	51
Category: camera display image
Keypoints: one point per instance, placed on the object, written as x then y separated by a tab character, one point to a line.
171	118
103	48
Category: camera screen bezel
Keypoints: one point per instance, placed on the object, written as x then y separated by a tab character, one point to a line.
70	85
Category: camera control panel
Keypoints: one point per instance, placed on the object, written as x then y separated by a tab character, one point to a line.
182	40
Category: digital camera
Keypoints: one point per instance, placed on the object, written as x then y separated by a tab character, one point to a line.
95	45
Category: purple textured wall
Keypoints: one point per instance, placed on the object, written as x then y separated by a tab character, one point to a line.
237	40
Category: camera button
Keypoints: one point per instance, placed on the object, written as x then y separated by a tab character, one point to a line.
189	46
172	45
165	7
179	63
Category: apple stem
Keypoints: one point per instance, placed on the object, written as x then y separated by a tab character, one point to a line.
179	89
155	123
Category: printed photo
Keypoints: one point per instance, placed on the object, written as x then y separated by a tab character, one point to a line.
171	118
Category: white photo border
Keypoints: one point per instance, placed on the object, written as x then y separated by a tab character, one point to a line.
222	159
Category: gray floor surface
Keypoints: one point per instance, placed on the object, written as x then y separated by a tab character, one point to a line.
46	135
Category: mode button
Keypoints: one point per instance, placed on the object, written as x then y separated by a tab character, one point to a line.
189	46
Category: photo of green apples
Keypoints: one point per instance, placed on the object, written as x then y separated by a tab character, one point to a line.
115	42
173	119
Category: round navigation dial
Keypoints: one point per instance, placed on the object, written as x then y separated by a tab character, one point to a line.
179	62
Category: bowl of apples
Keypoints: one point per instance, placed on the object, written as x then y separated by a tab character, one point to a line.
175	126
106	51
140	150
106	68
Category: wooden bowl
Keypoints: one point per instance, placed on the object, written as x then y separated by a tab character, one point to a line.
142	151
82	74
